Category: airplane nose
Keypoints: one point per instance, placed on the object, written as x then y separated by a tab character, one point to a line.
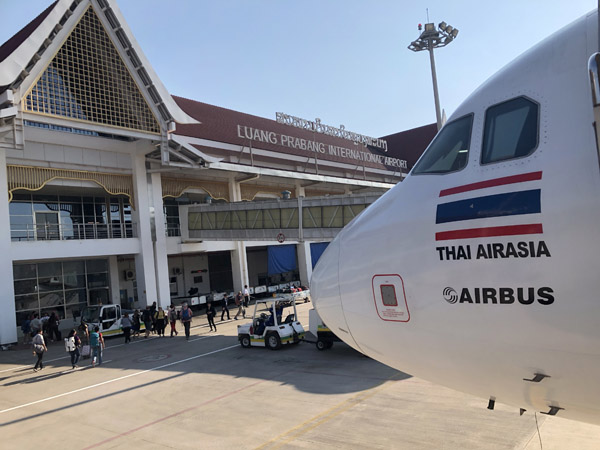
326	295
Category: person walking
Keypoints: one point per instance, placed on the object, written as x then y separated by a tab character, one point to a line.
53	331
36	324
186	319
147	319
159	322
97	345
153	317
72	344
136	323
39	348
239	302
126	325
225	308
210	315
26	329
84	331
246	296
173	319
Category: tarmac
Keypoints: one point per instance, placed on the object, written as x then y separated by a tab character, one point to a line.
210	393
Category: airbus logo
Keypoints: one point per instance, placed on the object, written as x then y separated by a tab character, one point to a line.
450	295
501	296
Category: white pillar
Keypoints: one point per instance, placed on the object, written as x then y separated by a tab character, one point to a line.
304	262
161	264
144	261
239	259
8	329
113	270
300	191
239	266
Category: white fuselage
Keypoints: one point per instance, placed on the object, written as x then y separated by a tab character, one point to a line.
482	313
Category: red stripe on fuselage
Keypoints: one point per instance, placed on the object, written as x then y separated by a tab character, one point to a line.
510	230
491	183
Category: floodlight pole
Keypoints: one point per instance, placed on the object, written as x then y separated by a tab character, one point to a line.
436	95
429	39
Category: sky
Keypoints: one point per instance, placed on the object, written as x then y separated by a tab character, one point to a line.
345	62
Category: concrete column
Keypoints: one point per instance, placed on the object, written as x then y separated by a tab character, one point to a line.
161	265
184	222
239	259
304	262
300	191
8	329
115	289
144	261
235	194
239	266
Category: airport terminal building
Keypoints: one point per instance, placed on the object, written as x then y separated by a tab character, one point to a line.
114	191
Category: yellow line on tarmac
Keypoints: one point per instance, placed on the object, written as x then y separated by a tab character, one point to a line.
320	419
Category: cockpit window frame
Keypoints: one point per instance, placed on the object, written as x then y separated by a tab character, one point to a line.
485	128
468	115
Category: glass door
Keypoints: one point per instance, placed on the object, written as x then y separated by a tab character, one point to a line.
46	225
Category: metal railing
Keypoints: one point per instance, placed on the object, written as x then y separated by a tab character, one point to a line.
172	230
76	231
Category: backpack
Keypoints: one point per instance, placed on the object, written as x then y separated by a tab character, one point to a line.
70	344
94	340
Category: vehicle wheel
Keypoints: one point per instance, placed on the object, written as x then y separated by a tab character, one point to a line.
245	341
273	341
321	345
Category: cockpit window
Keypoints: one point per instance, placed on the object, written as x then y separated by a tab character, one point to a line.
449	151
511	130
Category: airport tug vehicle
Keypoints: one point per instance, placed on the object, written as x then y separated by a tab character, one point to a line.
325	337
270	327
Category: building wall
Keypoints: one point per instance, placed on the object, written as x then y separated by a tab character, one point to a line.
180	271
257	265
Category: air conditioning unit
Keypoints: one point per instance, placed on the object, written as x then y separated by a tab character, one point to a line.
129	275
176	270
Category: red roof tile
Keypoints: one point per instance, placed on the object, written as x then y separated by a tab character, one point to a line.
225	125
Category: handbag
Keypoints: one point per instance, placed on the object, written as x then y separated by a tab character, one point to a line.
85	350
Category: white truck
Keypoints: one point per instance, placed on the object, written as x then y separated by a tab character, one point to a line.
106	317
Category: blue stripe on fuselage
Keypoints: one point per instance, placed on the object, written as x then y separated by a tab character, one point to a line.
510	204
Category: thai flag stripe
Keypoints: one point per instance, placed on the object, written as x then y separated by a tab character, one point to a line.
532	176
498	205
510	230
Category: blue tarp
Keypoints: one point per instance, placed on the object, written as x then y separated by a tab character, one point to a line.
281	258
316	250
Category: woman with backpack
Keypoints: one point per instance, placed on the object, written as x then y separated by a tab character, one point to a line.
39	348
72	344
186	319
159	322
97	345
